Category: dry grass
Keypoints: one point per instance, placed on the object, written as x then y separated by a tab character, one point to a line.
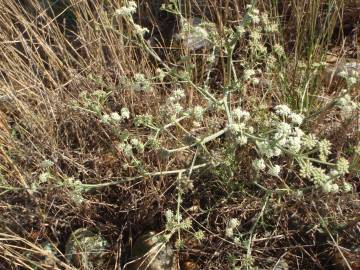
47	66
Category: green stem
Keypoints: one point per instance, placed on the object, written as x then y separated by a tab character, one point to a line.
153	174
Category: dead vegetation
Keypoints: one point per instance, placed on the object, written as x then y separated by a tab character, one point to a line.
58	75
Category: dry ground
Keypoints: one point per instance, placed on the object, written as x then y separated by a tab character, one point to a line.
51	75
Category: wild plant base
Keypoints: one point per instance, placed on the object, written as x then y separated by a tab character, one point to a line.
236	154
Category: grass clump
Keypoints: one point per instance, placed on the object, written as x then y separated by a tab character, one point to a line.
224	137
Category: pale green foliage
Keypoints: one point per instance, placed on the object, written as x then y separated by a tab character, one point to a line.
223	118
86	249
277	134
281	140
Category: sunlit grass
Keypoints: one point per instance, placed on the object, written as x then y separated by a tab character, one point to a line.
238	147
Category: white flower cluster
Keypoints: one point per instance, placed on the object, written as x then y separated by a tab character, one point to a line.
285	137
198	113
240	126
249	74
173	105
197	33
169	215
279	50
140	30
115	117
285	111
200	32
346	104
240	30
258	26
342	166
253	14
174	221
128	147
274	170
259	164
282	110
45	164
43	177
319	175
256	45
94	101
326	182
176	95
76	189
231	226
127	10
199	235
240	114
268	149
269	27
161	74
350	72
140	83
143	120
324	149
309	141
